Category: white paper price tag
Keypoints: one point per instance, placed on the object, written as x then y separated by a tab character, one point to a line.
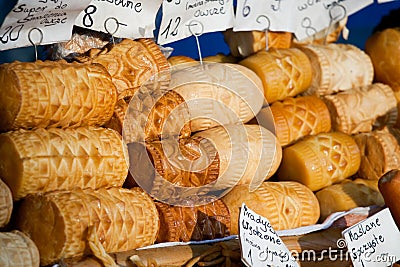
374	242
53	20
260	15
385	1
315	15
261	245
124	19
183	18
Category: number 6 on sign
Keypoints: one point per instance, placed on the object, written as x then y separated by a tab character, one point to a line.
246	9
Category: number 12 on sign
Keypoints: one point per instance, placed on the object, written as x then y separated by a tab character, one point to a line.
171	28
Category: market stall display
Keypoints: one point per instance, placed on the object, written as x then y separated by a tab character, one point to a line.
96	145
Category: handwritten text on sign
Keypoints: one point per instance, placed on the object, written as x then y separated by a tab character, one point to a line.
260	15
374	242
184	18
54	19
261	245
315	15
121	18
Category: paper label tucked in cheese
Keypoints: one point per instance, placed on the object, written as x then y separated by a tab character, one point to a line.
124	19
374	242
39	22
184	18
261	245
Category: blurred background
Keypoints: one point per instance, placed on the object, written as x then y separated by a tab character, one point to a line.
360	24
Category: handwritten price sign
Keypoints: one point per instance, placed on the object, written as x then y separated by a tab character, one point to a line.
261	15
184	18
374	241
124	19
316	15
261	245
53	19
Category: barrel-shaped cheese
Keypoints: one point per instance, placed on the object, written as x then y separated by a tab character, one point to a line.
285	204
297	117
356	110
151	115
6	204
245	43
54	94
345	196
18	250
331	64
384	51
58	222
380	153
204	222
320	160
248	154
188	162
283	72
55	159
131	63
218	93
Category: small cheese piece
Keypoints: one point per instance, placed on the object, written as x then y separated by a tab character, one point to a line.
285	204
17	249
176	60
320	160
297	117
45	160
58	222
331	66
54	94
197	223
6	204
356	110
221	58
283	72
345	196
380	153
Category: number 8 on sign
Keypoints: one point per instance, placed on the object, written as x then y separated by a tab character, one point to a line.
87	19
11	34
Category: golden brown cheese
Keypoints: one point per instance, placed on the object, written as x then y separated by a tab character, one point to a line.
345	196
58	222
285	204
320	160
283	72
331	64
298	117
55	159
54	94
